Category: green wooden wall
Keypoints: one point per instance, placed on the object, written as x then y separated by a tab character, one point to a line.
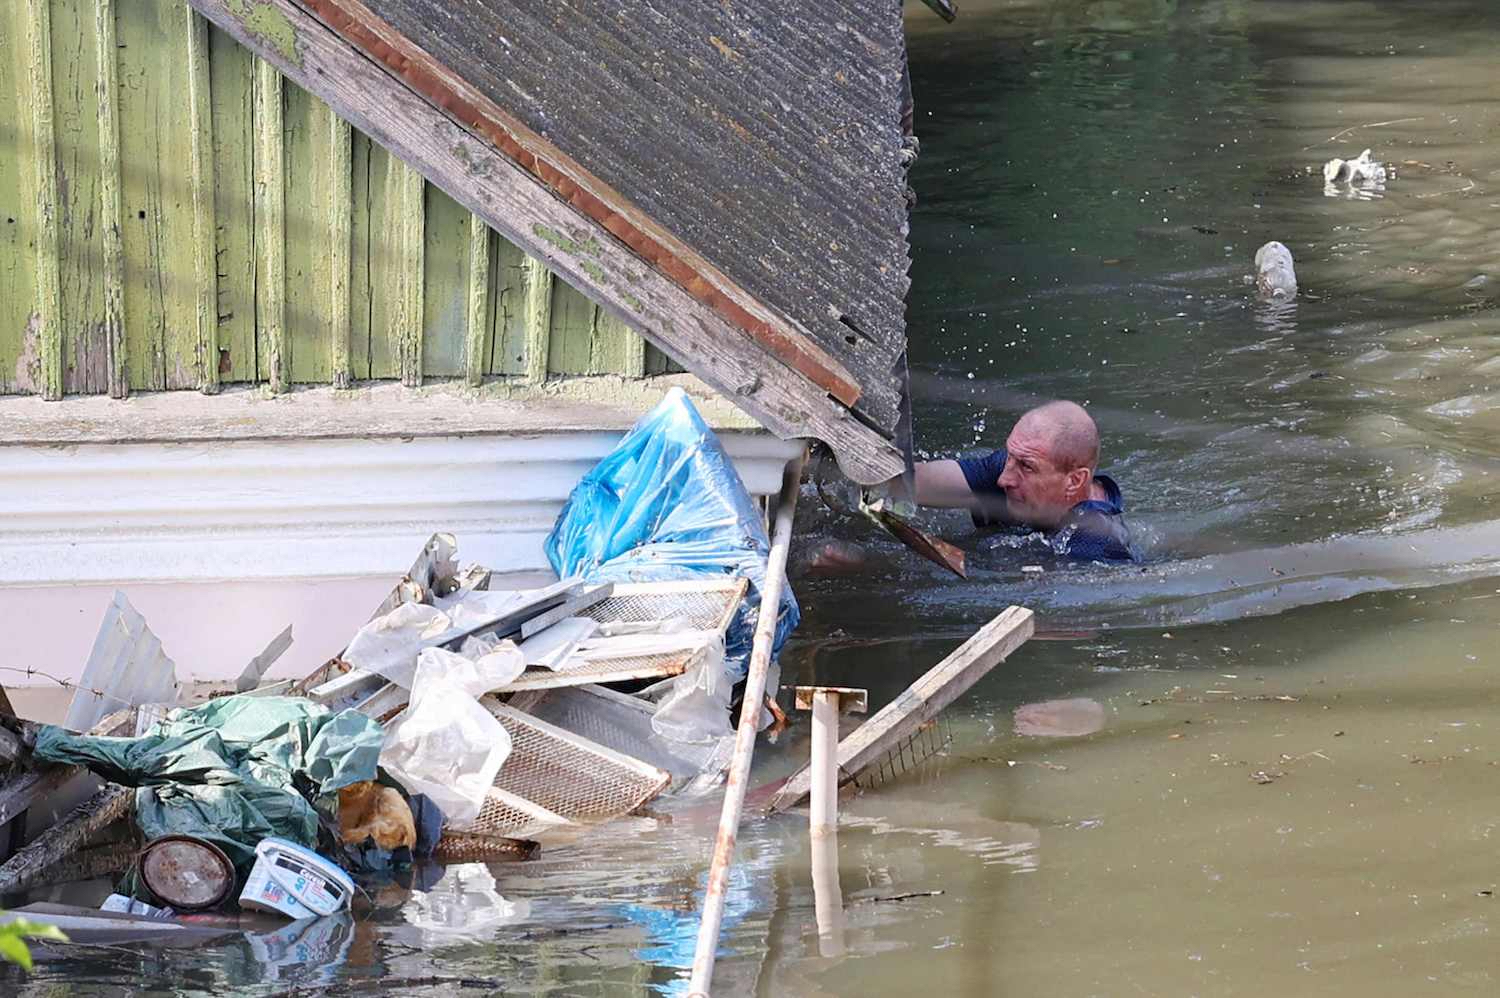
175	215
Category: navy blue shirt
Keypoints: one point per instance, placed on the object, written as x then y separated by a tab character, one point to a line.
1093	530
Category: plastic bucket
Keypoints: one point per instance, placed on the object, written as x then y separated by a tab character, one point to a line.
290	880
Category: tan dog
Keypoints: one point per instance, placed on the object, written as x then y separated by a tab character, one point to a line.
369	810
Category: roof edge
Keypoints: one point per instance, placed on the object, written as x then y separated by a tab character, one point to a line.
583	249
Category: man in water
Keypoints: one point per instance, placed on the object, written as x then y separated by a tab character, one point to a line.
1044	477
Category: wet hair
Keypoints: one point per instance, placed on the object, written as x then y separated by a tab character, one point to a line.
1072	438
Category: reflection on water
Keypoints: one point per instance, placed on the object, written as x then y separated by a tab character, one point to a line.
1300	802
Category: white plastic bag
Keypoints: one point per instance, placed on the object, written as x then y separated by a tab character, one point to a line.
389	644
445	744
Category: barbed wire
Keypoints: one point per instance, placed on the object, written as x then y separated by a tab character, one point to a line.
67	683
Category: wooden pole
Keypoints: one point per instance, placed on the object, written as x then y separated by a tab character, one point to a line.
70	834
744	736
826	703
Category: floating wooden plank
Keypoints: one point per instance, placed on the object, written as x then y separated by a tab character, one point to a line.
68	835
920	702
570	241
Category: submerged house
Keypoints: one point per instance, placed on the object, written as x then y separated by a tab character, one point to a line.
286	285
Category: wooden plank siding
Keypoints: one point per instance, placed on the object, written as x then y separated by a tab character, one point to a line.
174	215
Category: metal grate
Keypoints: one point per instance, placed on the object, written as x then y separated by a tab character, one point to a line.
706	606
506	815
622	723
568	775
907	756
606	670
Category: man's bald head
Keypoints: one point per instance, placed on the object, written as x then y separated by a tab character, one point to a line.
1065	432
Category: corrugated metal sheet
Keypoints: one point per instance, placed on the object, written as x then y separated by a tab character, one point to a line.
764	135
127	668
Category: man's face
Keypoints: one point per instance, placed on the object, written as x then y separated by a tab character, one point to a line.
1037	491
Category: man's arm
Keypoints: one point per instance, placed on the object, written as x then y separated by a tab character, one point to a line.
942	484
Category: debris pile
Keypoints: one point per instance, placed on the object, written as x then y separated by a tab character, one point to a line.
462	721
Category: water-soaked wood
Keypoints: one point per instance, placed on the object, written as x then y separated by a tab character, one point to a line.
48	311
201	158
582	252
232	94
23	788
920	702
571	331
69	834
112	260
476	340
537	311
272	339
340	239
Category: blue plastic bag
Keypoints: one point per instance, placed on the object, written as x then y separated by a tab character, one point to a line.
667	504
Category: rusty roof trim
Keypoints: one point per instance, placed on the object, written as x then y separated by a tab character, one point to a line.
374	37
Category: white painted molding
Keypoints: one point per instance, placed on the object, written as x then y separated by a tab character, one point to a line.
299	509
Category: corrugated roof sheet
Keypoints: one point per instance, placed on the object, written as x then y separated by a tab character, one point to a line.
765	135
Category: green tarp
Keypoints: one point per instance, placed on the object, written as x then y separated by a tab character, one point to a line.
233	771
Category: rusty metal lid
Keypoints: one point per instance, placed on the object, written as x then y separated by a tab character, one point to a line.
187	873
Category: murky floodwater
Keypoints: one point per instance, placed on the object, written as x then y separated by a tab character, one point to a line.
1293	791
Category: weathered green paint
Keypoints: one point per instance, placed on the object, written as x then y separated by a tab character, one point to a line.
75	70
112	261
270	26
538	320
231	87
201	143
445	285
155	125
45	329
17	204
508	309
270	230
362	297
309	274
340	238
170	218
407	188
476	335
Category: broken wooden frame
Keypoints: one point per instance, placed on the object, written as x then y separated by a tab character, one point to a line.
920	702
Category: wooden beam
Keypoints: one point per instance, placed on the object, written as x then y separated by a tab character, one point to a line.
538	317
44	132
68	835
479	296
920	702
567	179
113	263
24	788
404	187
205	232
340	242
574	245
272	335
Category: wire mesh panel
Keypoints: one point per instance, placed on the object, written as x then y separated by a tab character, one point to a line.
569	775
704	605
622	723
508	816
607	670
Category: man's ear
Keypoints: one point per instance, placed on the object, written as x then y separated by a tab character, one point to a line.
1078	481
